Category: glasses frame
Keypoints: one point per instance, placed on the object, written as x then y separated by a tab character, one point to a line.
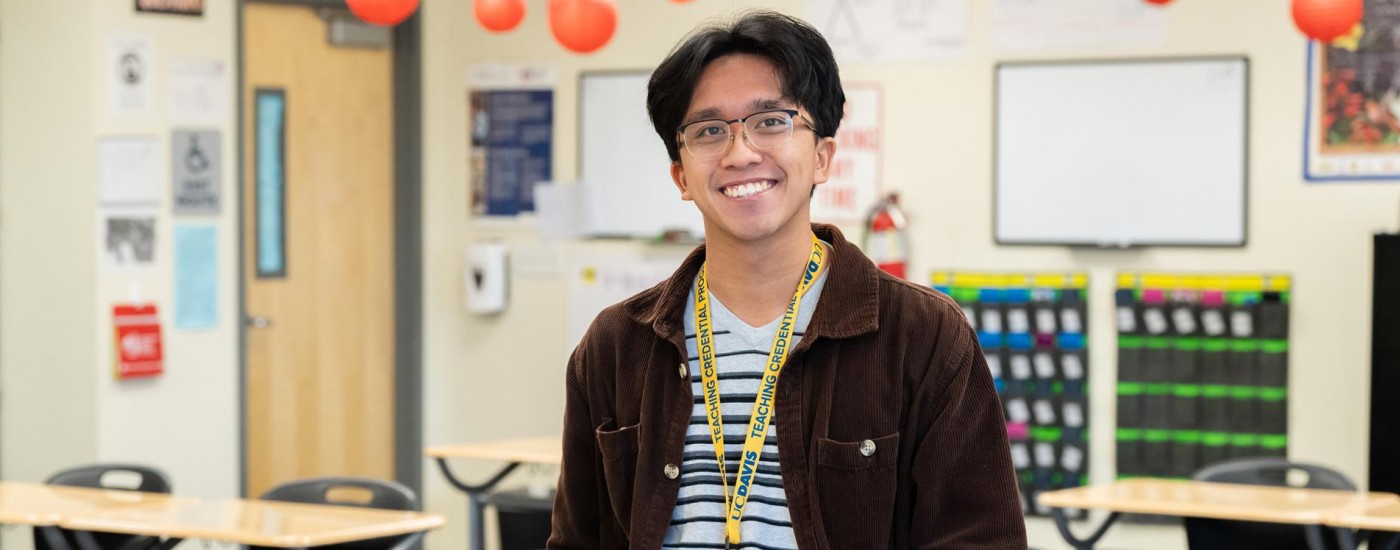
792	113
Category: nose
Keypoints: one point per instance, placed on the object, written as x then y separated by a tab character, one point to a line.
741	153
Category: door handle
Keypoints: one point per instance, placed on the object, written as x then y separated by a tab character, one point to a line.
258	321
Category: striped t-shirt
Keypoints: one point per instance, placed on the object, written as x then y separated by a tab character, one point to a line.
741	352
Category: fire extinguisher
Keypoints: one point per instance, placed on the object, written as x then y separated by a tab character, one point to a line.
885	241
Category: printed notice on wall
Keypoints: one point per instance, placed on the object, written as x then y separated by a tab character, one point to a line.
1019	25
511	116
128	75
854	184
199	91
880	30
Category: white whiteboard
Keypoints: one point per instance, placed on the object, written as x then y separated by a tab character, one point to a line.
625	163
1122	153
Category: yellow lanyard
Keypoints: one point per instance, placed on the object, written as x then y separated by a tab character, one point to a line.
763	401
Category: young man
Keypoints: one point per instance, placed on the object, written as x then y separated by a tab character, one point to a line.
778	391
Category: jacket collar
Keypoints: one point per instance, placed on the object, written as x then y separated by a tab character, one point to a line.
849	305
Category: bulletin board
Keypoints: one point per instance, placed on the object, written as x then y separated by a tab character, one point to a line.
1122	152
1032	330
1202	370
631	193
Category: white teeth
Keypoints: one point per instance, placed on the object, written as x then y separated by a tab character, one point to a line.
747	189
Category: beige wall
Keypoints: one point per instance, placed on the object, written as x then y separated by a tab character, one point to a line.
489	377
59	403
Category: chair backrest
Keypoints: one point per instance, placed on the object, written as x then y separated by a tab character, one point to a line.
102	476
1211	534
381	494
99	476
1275	472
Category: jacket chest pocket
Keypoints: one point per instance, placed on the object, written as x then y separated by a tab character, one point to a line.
618	447
856	489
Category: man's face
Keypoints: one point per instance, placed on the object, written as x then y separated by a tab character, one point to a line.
748	195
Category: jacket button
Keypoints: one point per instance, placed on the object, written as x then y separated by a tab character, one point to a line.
672	472
685	372
867	448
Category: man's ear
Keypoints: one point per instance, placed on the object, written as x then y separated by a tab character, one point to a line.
826	149
678	176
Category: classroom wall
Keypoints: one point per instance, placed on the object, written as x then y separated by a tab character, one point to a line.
488	377
48	405
59	402
938	139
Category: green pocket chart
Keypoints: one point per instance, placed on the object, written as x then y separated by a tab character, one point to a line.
1202	370
1032	330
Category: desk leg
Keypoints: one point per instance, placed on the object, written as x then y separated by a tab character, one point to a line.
476	505
54	536
1062	522
1315	538
169	543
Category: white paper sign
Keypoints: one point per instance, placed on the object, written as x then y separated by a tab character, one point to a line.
991	321
1213	321
128	75
1072	366
1017	322
854	183
199	91
128	171
884	31
1017	411
1044	365
1020	367
1046	24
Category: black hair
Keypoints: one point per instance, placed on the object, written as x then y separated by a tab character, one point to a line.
806	68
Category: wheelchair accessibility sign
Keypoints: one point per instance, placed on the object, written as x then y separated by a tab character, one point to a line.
197	171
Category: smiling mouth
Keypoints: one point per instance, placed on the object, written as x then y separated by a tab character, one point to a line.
748	189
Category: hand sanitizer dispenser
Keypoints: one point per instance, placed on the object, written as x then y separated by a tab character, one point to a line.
486	276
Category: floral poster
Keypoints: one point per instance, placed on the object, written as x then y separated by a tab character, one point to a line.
1353	121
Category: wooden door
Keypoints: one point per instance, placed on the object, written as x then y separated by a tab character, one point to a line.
320	354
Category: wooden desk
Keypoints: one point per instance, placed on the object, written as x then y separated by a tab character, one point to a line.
514	452
1384	517
531	450
252	522
1311	508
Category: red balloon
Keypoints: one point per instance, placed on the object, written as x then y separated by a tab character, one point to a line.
1159	2
384	13
1325	20
499	15
583	25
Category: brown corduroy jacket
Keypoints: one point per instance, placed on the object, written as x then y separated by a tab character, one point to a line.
882	360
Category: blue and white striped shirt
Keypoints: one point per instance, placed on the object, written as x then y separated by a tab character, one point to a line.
741	353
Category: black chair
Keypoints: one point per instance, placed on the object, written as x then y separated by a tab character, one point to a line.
100	476
1212	534
382	494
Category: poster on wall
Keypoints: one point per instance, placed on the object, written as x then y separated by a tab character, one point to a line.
128	75
128	241
137	350
1352	126
854	184
511	121
196	276
883	31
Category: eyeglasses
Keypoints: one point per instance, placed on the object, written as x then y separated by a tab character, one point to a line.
764	130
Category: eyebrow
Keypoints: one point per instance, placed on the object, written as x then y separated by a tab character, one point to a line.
757	105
